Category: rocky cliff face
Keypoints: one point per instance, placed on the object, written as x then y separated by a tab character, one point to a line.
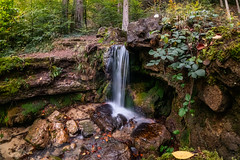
78	68
214	125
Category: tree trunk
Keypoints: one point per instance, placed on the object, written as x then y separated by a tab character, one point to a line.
65	4
119	6
221	3
238	8
78	17
228	11
125	15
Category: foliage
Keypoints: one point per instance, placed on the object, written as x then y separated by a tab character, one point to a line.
166	149
25	26
32	107
55	71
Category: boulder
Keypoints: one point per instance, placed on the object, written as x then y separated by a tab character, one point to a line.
88	128
215	98
148	137
139	32
105	149
38	134
59	134
72	127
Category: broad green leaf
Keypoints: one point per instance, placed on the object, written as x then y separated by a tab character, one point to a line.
185	104
182	112
151	52
200	72
170	58
176	132
187	97
194	67
150	64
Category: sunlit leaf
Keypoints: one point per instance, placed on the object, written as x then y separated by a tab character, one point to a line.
182	154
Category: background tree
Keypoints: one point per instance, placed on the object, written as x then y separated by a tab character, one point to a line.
228	11
125	20
221	3
65	4
238	8
78	17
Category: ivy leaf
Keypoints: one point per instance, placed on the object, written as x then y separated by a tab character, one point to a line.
151	52
200	72
163	57
188	97
195	67
182	112
150	64
176	132
185	104
170	58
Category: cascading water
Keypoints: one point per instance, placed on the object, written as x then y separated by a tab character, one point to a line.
120	71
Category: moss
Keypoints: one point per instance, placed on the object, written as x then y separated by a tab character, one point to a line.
11	87
185	137
10	63
227	46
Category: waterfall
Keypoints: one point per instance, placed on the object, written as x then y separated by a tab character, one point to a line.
120	73
118	64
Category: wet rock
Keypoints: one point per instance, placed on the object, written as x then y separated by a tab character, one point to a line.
88	128
17	148
72	127
38	134
105	150
59	134
215	98
8	133
103	118
149	136
121	120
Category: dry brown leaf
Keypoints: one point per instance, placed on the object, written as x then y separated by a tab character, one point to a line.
182	154
217	37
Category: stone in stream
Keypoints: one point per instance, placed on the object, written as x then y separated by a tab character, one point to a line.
104	120
72	127
148	137
88	128
38	134
105	148
58	134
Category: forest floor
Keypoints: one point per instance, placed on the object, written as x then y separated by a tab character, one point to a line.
64	47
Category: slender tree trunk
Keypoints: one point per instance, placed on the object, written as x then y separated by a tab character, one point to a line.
221	3
228	11
238	8
78	14
125	15
65	4
119	6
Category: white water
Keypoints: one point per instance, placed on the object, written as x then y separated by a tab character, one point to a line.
120	71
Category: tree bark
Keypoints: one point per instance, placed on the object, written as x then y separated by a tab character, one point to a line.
65	4
79	10
125	20
221	3
238	8
228	11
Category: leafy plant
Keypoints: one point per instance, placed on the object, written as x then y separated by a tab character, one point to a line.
176	132
166	149
32	107
55	71
184	109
